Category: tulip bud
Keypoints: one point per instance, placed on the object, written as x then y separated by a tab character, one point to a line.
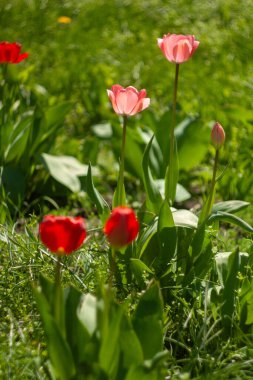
62	234
217	135
122	227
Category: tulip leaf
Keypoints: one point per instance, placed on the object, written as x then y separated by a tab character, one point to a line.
185	218
148	321
59	351
230	218
230	206
65	170
102	206
154	198
19	139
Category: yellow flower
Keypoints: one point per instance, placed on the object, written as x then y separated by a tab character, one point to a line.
64	20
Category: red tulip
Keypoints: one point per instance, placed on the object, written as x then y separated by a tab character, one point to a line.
122	227
218	135
127	101
62	234
10	52
178	48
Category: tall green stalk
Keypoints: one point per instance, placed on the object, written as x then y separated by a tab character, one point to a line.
119	196
172	170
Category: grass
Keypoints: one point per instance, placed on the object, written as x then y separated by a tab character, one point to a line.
111	42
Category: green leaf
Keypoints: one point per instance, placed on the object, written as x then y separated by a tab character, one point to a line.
102	131
109	349
65	170
77	335
230	218
139	266
165	218
193	140
59	352
19	138
102	206
230	206
182	194
167	237
87	313
148	321
185	218
154	199
117	200
129	344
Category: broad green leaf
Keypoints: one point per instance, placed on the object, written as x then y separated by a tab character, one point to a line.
185	218
48	123
129	344
59	352
148	321
181	193
138	265
65	169
193	140
109	349
154	198
230	206
118	199
102	206
87	313
77	335
230	218
19	138
165	218
102	131
167	237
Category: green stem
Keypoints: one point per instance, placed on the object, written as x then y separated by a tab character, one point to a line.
172	185
212	188
122	162
58	292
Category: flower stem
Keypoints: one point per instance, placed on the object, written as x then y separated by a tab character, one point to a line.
212	188
122	163
172	159
58	292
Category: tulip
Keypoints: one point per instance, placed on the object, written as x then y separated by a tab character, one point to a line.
217	135
178	48
127	101
10	52
62	234
122	227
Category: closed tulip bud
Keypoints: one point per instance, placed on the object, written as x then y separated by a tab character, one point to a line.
127	101
62	234
122	227
178	48
217	135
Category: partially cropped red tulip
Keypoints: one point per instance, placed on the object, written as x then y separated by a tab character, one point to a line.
122	227
127	101
10	52
178	48
62	234
217	135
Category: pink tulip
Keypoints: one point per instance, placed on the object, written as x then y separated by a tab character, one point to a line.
127	101
177	48
217	135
